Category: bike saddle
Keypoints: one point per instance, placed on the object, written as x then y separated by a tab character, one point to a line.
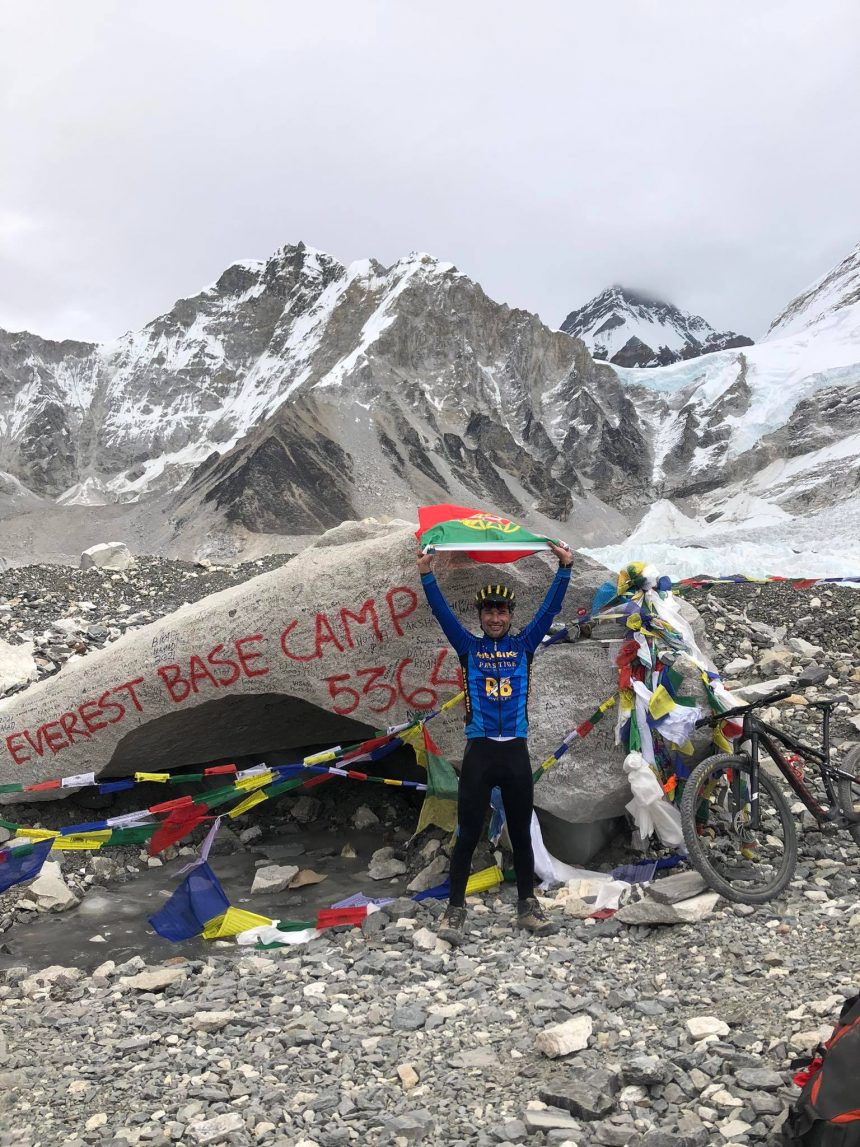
824	705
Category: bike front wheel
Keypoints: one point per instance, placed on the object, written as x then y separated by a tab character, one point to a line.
746	866
848	794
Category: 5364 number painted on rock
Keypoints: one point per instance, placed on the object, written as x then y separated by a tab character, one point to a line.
383	685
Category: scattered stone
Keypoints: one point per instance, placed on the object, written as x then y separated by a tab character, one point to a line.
646	1070
273	878
424	940
217	1129
408	1076
700	1027
51	891
565	1038
590	1096
479	1057
697	907
153	979
17	667
678	886
430	876
758	1079
212	1021
384	865
306	809
365	818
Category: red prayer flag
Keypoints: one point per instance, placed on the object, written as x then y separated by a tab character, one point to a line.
177	825
338	917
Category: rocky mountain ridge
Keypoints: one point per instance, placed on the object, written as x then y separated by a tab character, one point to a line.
629	328
296	392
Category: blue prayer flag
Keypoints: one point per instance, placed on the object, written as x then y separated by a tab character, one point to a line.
197	900
22	863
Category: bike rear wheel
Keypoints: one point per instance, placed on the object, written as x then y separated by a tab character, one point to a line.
848	794
744	866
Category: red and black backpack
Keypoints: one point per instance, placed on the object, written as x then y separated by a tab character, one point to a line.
827	1111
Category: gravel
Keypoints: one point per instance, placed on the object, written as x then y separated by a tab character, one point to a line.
404	1040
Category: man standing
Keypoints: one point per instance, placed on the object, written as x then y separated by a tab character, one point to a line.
496	671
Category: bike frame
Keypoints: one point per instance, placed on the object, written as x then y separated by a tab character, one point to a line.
757	732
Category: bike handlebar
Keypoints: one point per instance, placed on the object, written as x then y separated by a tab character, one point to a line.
759	703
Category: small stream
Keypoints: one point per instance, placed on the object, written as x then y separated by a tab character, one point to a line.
120	914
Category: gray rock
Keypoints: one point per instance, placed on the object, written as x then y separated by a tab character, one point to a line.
646	1070
678	886
549	1120
365	818
758	1079
216	1129
50	891
647	911
589	1096
408	1019
478	1057
273	878
154	979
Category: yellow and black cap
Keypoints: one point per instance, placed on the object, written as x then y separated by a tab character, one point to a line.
495	595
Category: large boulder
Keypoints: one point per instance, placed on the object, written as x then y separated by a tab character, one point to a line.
17	666
107	556
327	649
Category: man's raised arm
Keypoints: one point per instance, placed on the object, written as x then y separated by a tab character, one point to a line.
539	625
459	636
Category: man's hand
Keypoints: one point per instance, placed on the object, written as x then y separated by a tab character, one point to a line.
424	562
562	552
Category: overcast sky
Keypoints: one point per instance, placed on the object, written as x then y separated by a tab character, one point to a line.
705	151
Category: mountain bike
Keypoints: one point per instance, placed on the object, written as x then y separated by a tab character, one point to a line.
739	830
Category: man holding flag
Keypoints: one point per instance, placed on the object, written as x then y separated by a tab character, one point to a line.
496	670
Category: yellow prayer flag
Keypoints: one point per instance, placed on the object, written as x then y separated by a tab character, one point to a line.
720	740
248	784
661	703
249	802
451	702
484	880
84	842
156	778
232	922
320	758
37	833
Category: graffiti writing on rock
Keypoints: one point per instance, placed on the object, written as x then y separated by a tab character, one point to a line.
216	669
344	629
78	724
339	632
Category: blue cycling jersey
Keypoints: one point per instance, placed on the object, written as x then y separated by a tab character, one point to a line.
496	673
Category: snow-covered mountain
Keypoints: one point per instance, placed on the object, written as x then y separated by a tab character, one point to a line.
766	438
318	391
296	392
628	328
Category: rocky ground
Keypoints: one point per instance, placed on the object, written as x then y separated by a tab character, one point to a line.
685	1032
56	612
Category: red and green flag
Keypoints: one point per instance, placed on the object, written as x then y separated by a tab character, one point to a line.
483	536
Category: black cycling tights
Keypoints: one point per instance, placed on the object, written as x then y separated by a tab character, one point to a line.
488	764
